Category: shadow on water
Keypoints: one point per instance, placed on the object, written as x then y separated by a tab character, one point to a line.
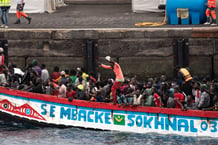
13	126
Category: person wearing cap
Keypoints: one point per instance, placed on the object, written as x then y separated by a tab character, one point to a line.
36	67
119	76
81	93
2	59
63	77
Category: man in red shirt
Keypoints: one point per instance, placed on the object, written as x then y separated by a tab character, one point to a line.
179	98
70	93
157	98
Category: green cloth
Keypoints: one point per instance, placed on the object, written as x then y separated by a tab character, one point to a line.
148	91
5	3
73	78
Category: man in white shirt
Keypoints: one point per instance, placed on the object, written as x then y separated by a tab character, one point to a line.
44	75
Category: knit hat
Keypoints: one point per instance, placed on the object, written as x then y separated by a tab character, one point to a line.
34	62
62	72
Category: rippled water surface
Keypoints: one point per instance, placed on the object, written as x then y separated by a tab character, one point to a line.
17	134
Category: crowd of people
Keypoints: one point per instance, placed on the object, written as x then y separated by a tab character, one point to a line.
184	92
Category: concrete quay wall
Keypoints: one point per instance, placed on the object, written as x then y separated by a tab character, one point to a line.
98	1
145	52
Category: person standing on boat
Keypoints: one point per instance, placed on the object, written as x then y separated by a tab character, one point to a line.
184	80
20	6
119	76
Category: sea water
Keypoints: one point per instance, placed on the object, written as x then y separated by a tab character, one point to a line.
24	134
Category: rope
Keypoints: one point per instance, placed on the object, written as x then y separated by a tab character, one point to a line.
153	23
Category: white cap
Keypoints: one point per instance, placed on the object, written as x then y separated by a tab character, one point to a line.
62	72
108	58
1	49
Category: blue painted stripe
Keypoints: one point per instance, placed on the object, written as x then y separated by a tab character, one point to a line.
106	110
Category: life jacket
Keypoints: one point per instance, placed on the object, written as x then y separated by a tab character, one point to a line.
186	74
211	3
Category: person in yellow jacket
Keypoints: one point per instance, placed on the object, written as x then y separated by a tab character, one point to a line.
4	10
184	80
211	12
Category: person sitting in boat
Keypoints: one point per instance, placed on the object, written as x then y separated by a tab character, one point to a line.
179	98
149	100
204	100
170	101
3	80
80	80
36	87
157	98
27	75
214	106
53	86
98	97
91	87
30	80
2	59
196	91
36	67
134	82
121	99
73	76
190	104
63	77
162	93
125	86
107	89
70	92
81	94
137	98
119	75
45	74
62	89
56	73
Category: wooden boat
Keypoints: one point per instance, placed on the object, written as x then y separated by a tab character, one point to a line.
49	110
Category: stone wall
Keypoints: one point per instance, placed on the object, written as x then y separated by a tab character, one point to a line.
145	52
98	1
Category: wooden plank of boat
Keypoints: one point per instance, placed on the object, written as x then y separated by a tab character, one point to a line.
50	110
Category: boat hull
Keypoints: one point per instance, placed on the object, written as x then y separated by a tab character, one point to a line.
48	110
